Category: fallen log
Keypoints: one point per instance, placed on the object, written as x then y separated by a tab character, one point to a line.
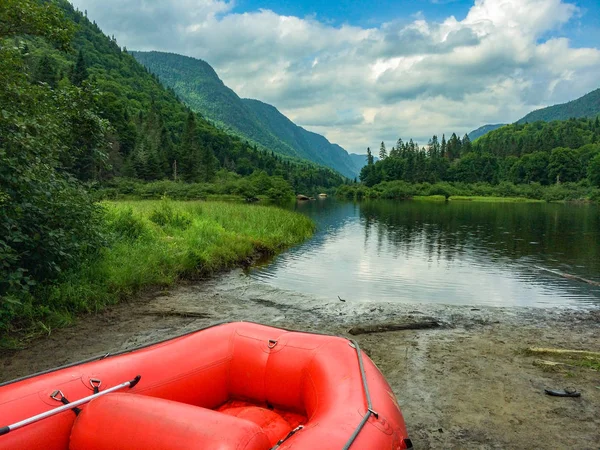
385	327
560	351
569	276
550	364
195	314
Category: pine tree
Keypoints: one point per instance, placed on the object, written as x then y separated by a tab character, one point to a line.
208	163
400	148
467	146
190	150
382	151
444	147
370	160
45	72
80	73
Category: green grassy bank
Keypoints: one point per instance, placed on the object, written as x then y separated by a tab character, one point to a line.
474	198
154	244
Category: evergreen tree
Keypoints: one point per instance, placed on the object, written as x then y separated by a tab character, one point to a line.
382	151
370	159
593	171
444	147
399	148
80	73
208	163
467	147
45	72
190	150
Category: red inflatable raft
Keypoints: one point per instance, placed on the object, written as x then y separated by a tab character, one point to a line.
236	386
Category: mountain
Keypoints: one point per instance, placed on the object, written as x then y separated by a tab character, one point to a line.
199	86
309	145
360	161
586	106
483	130
151	132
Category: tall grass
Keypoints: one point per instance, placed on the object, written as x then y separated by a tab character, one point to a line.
156	243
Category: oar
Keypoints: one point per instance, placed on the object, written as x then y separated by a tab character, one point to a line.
52	412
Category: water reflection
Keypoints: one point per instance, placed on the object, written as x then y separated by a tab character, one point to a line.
461	253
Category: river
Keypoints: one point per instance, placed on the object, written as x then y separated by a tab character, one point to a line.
469	253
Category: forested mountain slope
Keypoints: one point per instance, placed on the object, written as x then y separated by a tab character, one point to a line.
153	135
197	84
483	130
78	112
309	145
587	106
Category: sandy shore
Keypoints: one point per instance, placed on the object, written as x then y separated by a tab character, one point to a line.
467	384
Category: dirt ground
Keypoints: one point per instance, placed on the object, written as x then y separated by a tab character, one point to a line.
465	385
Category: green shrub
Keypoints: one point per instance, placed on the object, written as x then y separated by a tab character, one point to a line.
123	224
166	215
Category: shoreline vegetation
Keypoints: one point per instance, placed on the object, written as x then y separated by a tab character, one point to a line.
477	192
152	244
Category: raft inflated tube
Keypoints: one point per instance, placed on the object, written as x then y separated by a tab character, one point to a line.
275	387
67	406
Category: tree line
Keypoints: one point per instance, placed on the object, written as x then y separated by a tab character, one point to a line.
77	111
541	152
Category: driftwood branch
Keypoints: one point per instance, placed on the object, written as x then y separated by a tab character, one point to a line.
560	351
384	327
570	276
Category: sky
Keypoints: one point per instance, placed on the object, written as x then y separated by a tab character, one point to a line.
361	72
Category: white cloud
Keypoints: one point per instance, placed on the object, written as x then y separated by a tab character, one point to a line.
357	85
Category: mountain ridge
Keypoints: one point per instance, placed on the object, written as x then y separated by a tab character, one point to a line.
586	106
198	85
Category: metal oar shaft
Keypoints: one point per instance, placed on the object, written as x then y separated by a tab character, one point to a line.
52	412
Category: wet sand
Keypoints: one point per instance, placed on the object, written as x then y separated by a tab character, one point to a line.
464	385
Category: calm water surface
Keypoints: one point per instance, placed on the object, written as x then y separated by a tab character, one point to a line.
453	253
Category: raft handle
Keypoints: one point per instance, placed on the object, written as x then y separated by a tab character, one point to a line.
57	395
272	343
95	383
68	405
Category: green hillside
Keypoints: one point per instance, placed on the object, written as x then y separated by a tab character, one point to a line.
81	120
197	84
309	145
586	106
483	130
152	134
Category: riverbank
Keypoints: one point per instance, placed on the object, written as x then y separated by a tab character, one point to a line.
468	384
153	244
505	191
474	198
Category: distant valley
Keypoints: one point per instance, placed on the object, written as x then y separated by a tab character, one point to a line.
199	86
